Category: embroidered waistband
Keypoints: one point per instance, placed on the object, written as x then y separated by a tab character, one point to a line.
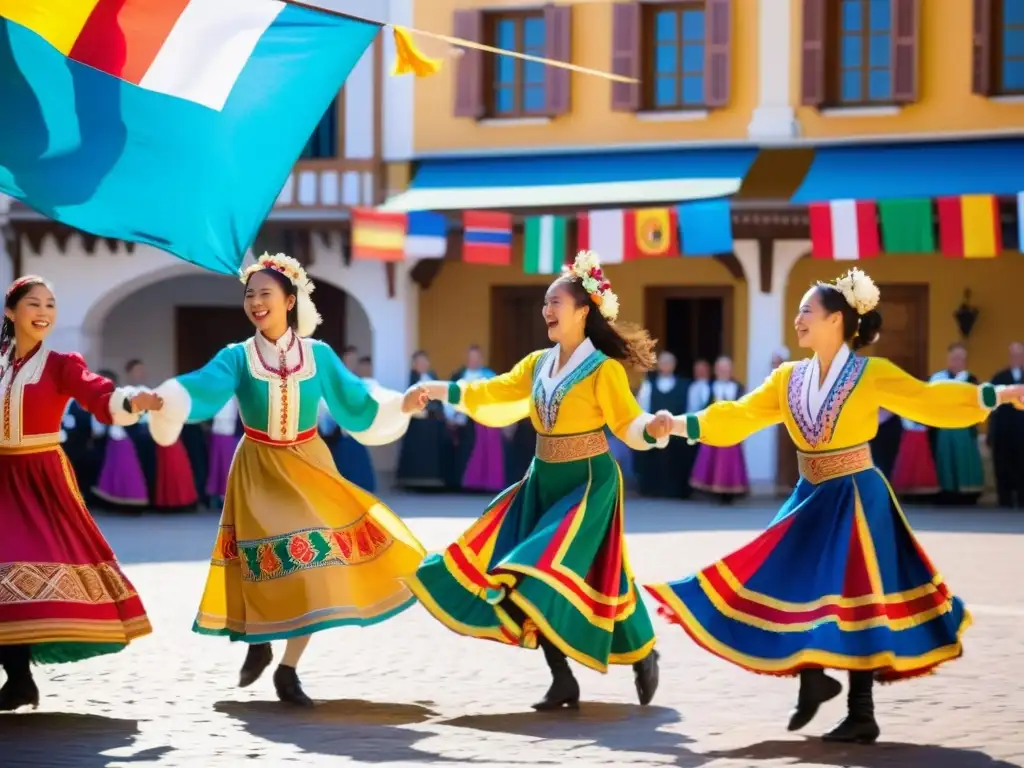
816	468
22	450
262	437
556	449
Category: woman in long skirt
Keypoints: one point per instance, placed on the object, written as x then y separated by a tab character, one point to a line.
546	564
838	580
224	439
63	597
300	548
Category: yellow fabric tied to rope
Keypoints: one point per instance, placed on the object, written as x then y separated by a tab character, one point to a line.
409	59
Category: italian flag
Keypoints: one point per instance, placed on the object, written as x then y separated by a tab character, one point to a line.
544	244
844	230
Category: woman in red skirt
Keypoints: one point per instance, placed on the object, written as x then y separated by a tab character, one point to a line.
63	597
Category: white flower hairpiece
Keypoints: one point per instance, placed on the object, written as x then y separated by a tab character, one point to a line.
586	268
308	317
859	290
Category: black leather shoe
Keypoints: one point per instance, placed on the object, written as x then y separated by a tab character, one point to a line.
815	689
646	676
289	689
564	692
18	692
257	660
859	726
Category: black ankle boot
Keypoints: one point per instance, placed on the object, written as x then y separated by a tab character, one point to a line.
288	687
20	689
257	660
646	675
564	690
860	726
815	689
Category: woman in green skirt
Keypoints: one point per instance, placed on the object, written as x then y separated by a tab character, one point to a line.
546	564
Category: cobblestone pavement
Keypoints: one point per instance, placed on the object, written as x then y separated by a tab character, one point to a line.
408	692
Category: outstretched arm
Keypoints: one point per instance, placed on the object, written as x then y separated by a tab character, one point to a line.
729	423
196	396
98	395
495	402
623	414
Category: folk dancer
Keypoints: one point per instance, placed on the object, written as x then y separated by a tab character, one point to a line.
300	549
546	564
957	456
120	484
838	580
1006	436
914	476
63	597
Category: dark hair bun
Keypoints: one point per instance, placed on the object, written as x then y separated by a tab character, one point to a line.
869	329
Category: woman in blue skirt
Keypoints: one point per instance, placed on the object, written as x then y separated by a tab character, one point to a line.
838	580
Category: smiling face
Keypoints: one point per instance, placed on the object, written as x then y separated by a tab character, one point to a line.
565	320
816	327
267	305
34	315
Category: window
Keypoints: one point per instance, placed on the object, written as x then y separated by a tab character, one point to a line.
323	143
674	37
863	71
1010	47
517	87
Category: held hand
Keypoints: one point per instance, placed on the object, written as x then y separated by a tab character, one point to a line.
146	401
415	400
1012	395
661	426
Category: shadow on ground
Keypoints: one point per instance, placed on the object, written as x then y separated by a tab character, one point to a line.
69	740
882	755
363	731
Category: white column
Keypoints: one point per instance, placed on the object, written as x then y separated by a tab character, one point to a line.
398	92
774	118
766	313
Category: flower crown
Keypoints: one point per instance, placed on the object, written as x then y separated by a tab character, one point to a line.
859	290
20	282
283	264
586	268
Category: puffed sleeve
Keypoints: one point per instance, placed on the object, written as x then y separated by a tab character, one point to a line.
731	422
371	414
498	401
943	404
196	396
98	395
622	413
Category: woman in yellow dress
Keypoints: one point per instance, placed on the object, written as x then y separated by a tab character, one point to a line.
838	580
300	549
547	563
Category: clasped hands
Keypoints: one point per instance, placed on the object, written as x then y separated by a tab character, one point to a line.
1012	395
146	401
661	425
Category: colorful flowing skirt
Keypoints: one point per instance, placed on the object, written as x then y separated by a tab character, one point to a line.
121	481
486	468
838	580
958	461
301	549
61	590
914	472
222	451
552	548
175	483
720	470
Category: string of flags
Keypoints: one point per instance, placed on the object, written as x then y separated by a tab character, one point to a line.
968	227
697	228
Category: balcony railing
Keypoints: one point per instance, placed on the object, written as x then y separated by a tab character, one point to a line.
331	184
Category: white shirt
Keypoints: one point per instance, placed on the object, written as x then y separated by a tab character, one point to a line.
813	394
698	395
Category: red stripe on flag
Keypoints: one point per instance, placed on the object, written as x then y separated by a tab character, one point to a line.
819	216
951	226
997	222
378	235
487	238
122	37
582	233
869	243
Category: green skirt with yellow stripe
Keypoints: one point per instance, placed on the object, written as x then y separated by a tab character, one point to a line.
553	547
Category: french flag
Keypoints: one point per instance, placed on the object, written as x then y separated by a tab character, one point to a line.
487	238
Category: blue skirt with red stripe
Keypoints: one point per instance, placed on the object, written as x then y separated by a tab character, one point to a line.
838	580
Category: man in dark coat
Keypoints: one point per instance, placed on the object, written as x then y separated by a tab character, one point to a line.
1006	436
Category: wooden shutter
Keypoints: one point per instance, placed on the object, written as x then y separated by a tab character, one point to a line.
558	44
469	71
717	52
981	48
626	27
813	77
905	16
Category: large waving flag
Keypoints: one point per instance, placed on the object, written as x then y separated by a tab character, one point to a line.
168	122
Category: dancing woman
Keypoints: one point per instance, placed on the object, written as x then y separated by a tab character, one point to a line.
547	563
300	549
838	580
63	597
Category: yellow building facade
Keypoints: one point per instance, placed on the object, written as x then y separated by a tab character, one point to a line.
831	99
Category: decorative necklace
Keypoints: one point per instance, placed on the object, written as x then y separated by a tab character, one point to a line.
282	370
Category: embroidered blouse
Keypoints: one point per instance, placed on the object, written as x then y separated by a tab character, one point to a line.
279	387
843	411
588	392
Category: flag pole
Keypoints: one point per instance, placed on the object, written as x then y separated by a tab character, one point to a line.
463	43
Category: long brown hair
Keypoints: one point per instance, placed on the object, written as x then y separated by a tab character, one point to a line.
628	343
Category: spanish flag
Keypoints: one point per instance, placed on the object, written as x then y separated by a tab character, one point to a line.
378	236
969	226
651	233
